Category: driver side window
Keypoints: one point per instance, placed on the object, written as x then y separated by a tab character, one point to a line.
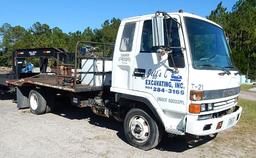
174	39
147	38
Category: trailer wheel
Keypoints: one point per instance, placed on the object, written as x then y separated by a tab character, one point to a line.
37	103
141	130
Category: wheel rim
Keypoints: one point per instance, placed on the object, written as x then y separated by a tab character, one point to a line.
33	101
139	128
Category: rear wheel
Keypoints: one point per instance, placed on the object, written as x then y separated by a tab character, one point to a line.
37	103
141	130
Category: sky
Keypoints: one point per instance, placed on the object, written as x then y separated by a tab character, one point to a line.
73	15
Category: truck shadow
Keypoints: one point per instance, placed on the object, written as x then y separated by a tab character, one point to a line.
181	143
74	113
7	95
169	143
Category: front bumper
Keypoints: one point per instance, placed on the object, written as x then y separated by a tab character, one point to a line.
209	126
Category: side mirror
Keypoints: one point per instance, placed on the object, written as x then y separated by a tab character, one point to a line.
228	43
227	40
158	31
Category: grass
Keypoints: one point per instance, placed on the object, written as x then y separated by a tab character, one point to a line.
246	87
248	117
246	125
238	141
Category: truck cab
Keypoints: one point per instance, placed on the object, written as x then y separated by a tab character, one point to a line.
177	68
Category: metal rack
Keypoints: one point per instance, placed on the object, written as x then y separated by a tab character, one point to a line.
104	53
67	81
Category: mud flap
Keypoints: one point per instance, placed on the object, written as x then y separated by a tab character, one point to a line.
22	98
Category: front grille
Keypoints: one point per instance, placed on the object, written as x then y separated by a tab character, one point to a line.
224	104
218	114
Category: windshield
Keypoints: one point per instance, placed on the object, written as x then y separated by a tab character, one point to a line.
208	45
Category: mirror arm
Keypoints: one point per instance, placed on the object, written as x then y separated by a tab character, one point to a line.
175	70
174	65
167	33
165	14
164	51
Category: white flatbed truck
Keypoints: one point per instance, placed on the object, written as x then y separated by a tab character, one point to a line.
170	72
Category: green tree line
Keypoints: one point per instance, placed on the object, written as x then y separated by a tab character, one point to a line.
42	36
240	27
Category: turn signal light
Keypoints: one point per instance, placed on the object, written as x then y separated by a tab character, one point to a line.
196	95
195	108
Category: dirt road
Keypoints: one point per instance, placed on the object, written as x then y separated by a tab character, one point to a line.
73	132
248	95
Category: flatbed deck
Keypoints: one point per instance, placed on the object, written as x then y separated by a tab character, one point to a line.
53	81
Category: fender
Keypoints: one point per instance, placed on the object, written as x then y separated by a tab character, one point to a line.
140	99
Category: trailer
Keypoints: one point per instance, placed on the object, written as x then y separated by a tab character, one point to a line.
169	73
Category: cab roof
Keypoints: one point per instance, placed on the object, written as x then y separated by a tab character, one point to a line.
181	14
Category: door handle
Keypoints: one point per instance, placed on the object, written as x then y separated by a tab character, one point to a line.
139	72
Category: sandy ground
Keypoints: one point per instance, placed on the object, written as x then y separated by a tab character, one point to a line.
248	95
253	89
72	132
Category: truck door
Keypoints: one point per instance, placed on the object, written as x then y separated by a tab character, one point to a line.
124	52
154	73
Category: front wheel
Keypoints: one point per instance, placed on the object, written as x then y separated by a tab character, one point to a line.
141	130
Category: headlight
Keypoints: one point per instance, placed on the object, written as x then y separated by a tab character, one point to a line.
197	108
210	106
206	107
203	107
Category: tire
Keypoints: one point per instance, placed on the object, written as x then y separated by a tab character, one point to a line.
37	103
141	130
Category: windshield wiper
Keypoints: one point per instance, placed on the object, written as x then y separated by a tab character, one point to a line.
234	69
225	71
229	67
